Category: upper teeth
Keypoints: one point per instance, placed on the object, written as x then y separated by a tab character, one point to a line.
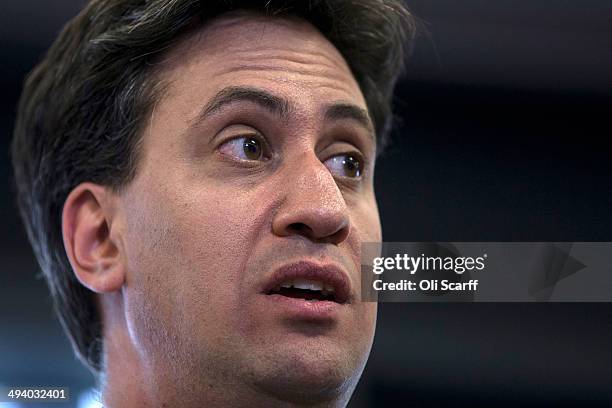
307	284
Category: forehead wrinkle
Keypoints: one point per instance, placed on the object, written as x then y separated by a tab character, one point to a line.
290	62
275	68
304	56
314	73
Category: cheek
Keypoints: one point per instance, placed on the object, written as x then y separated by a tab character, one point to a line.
185	250
191	232
366	219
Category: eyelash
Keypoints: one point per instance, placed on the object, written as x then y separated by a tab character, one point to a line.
264	146
266	155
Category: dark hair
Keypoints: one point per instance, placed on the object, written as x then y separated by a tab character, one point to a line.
82	108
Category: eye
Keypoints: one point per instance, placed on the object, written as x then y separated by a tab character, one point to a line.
345	165
244	148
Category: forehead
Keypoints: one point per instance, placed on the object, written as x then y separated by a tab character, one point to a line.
288	56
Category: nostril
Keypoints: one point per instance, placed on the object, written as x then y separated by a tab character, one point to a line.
334	237
301	229
322	224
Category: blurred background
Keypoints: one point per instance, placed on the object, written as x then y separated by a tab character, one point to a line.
505	126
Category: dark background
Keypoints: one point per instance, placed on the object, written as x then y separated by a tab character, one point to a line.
505	115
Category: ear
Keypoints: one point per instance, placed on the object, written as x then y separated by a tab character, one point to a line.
95	257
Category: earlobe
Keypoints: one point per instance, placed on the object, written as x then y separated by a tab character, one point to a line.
95	257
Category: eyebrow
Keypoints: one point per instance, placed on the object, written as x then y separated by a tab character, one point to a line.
280	106
235	94
341	110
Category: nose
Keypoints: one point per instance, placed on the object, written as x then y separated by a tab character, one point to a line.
313	205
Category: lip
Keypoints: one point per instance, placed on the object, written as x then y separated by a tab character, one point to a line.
329	274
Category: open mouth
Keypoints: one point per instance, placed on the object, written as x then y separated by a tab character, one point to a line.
310	290
309	281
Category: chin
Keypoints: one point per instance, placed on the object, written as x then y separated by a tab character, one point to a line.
310	373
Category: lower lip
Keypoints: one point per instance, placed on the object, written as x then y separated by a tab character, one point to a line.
304	309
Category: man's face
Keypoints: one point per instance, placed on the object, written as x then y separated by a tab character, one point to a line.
256	172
